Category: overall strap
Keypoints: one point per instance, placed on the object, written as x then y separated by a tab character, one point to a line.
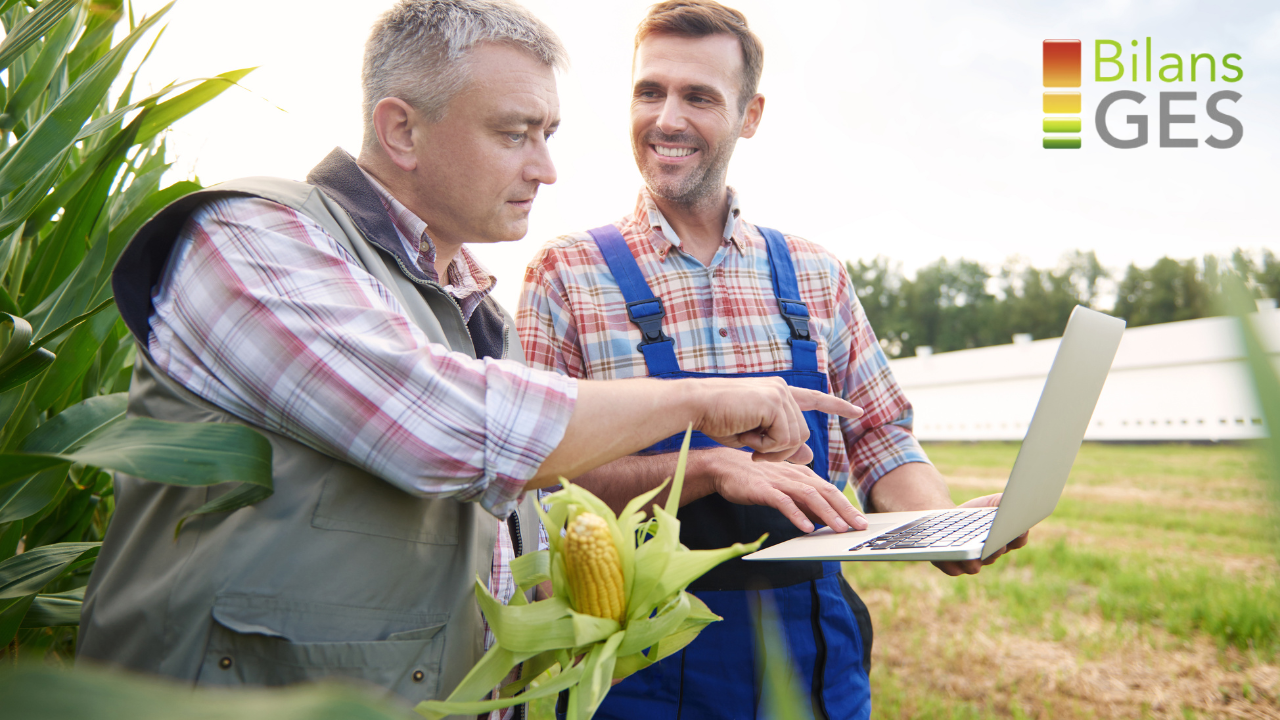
804	350
643	308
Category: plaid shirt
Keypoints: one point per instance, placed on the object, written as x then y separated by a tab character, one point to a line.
264	314
724	319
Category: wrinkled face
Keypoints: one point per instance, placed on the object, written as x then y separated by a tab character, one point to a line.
684	114
479	168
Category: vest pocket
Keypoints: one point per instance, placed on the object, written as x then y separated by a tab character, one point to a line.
355	501
251	645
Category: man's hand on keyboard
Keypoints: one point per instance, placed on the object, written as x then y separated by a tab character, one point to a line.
971	567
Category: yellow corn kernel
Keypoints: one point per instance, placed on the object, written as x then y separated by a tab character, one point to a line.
594	569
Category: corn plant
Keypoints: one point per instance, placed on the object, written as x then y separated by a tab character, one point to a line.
591	639
80	171
1239	301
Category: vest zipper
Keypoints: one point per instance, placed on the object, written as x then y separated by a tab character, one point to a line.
437	286
513	526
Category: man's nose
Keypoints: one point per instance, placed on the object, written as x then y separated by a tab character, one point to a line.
671	119
541	169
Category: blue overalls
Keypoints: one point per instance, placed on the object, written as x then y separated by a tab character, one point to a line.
825	625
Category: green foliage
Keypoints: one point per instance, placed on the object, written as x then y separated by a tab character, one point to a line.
660	618
963	304
80	171
44	694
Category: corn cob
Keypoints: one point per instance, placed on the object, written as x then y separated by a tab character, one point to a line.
593	567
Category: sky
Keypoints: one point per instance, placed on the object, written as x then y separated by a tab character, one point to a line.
910	130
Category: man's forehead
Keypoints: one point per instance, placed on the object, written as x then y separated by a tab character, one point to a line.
511	85
718	55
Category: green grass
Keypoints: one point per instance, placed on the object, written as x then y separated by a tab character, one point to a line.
1159	546
1154	467
1118	570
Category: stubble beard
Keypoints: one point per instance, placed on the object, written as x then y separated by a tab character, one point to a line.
698	186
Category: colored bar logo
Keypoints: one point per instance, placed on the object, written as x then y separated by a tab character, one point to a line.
1061	70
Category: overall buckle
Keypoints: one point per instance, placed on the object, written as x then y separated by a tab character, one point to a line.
796	314
648	315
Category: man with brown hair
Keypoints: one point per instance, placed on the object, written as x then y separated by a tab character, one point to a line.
685	287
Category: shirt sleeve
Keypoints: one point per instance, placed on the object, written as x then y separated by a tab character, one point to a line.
545	321
263	313
882	438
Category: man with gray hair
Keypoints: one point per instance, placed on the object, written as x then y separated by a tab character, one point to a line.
345	320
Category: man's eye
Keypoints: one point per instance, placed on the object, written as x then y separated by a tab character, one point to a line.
516	137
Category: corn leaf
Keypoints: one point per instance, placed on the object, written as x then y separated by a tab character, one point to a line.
55	610
73	425
646	632
26	368
685	567
74	357
531	568
33	194
699	617
27	573
80	227
9	538
245	495
24	498
59	126
531	669
31	28
435	709
19	339
587	695
170	111
677	483
11	614
48	337
781	695
42	693
1266	381
41	72
188	454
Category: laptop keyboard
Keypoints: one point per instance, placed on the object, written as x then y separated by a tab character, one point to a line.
946	529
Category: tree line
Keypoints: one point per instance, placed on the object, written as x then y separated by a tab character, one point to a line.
954	305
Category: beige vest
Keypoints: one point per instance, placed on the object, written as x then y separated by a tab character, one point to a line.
338	573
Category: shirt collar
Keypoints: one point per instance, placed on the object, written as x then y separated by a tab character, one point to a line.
466	274
664	237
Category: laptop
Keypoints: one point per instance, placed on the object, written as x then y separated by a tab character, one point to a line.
1039	473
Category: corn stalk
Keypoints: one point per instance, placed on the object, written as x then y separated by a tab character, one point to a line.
80	171
660	616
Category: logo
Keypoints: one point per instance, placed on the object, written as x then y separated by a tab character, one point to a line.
1063	107
1062	70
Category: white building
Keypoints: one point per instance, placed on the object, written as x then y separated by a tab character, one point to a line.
1176	381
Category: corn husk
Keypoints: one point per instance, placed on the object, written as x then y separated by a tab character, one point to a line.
661	616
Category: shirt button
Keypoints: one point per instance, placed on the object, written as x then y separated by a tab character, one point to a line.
225	663
418	675
724	333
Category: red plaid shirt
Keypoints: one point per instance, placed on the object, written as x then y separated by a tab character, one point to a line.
724	319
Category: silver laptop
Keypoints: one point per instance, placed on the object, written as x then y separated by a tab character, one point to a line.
1040	472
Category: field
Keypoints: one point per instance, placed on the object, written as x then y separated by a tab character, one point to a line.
1152	592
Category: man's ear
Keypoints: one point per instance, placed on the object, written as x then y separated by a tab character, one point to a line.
751	116
393	121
